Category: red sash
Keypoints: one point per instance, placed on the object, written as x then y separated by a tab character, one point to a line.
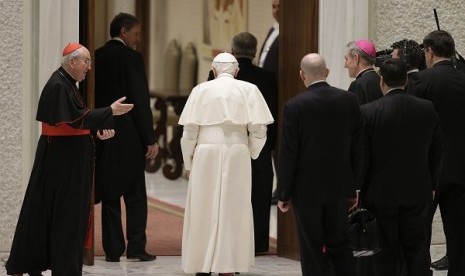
62	130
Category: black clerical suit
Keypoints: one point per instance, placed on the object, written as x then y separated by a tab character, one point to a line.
120	164
54	218
366	86
262	168
445	87
403	151
319	170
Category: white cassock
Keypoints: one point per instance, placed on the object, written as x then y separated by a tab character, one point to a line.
224	127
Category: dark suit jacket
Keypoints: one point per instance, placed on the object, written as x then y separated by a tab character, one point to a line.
411	78
403	149
445	87
320	152
271	62
366	87
268	86
120	71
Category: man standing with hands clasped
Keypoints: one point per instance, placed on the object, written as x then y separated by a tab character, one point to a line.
120	164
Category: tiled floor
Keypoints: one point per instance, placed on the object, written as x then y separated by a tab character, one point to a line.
174	192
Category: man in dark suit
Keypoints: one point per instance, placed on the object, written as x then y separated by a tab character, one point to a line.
319	169
444	85
359	60
120	163
413	55
403	153
268	58
244	48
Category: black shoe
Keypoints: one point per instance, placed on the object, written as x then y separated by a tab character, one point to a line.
112	259
441	264
202	274
143	257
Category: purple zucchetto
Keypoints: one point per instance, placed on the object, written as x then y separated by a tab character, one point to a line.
367	47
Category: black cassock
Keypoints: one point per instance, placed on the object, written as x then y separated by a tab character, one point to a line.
54	218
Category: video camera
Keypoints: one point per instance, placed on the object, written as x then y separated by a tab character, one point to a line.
382	55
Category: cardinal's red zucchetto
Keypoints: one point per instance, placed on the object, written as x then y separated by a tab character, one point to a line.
71	47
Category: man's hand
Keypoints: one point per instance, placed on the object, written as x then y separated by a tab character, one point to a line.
119	108
152	151
105	134
284	206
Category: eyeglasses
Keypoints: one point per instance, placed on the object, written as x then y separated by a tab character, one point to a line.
86	61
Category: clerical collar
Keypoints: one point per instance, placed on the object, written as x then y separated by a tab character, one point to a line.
366	70
412	71
276	26
119	39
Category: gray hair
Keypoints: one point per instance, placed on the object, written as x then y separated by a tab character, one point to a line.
355	50
244	45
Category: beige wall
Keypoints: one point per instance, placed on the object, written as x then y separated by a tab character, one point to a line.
31	39
182	20
399	19
11	106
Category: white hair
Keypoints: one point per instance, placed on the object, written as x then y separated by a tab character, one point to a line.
225	67
73	54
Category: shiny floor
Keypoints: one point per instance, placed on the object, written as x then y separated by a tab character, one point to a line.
174	192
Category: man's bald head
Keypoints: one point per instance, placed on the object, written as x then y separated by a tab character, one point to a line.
313	68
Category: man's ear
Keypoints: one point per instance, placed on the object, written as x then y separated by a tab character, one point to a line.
302	75
235	73
382	85
123	31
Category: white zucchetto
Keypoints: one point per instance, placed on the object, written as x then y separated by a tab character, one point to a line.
225	57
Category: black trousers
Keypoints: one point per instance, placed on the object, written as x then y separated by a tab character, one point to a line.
452	204
135	200
262	186
429	226
324	224
402	230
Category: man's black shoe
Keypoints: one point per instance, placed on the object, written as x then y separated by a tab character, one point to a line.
202	274
111	259
441	264
143	257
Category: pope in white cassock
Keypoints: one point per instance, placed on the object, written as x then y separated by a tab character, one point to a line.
224	127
